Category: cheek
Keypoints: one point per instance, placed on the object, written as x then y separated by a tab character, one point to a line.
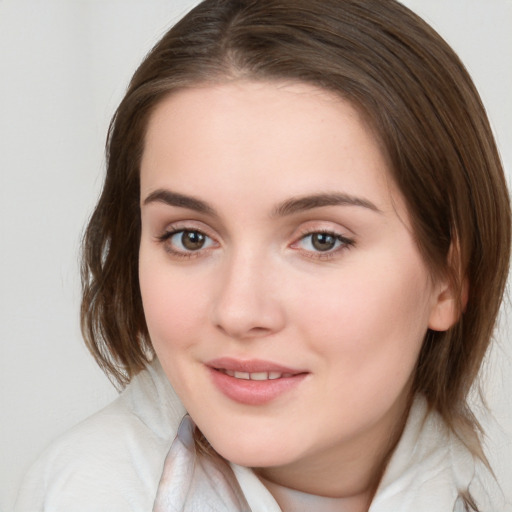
369	322
173	305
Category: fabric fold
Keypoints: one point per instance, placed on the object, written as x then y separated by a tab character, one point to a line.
193	482
428	469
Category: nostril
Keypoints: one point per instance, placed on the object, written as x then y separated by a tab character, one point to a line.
241	332
259	330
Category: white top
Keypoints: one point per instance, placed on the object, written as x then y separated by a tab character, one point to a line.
114	461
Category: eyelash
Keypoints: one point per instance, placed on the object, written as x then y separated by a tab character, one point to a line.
165	237
345	243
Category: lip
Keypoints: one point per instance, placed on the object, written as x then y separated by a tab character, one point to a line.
253	392
250	366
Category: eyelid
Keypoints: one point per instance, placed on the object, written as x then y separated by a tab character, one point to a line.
335	234
347	241
324	226
181	226
185	225
169	233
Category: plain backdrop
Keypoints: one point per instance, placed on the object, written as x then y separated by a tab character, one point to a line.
64	65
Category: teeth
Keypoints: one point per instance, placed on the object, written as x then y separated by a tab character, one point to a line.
256	375
259	376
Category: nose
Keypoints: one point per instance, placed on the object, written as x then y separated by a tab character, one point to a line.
247	304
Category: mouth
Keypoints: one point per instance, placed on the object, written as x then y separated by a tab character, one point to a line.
255	375
253	369
253	382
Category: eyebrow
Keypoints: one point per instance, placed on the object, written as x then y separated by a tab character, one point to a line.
180	200
288	207
298	204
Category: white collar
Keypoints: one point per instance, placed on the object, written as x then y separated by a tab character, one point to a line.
427	471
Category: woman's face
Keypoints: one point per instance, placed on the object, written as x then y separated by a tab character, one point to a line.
283	291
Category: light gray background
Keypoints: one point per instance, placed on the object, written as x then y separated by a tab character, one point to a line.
64	65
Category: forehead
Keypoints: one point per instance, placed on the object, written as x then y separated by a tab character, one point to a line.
283	138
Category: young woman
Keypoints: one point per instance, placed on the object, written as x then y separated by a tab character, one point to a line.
302	242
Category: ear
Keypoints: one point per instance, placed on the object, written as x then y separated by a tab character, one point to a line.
449	303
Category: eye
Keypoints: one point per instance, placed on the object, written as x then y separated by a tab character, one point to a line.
323	242
185	241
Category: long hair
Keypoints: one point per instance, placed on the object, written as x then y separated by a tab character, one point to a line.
422	106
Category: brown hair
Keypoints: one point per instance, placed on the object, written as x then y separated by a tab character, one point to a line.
422	105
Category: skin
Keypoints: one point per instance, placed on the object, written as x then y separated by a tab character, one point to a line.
353	317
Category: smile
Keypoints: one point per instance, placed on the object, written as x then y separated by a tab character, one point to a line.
253	382
256	375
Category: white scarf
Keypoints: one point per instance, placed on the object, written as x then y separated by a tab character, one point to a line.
428	470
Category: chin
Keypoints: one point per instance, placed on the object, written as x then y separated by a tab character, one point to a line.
253	450
254	457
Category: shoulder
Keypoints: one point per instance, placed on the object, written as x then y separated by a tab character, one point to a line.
431	467
112	460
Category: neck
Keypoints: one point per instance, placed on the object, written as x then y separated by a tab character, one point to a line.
290	500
